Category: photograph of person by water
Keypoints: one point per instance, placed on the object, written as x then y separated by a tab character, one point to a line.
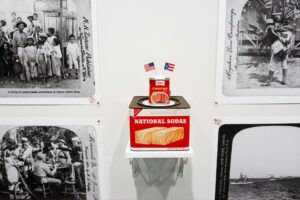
47	51
258	161
259	54
51	161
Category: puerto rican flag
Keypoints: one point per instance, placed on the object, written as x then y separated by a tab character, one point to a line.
169	67
149	67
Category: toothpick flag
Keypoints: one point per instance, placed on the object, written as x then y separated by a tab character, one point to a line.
149	67
169	67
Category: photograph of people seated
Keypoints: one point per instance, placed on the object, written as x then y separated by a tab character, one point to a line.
35	56
41	162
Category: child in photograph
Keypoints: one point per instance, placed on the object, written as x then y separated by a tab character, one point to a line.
7	56
36	21
73	53
30	53
49	44
56	59
51	36
41	60
36	34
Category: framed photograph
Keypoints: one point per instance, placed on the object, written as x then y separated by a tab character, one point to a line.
48	52
258	52
257	159
50	159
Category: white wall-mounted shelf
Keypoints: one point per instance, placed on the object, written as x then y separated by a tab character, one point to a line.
182	157
158	154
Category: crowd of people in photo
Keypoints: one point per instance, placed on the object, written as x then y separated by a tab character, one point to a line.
54	163
33	55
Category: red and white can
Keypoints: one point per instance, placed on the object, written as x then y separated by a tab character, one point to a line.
159	91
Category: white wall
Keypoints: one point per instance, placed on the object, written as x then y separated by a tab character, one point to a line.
16	5
132	33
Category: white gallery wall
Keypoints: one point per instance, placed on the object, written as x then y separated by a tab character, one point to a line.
135	32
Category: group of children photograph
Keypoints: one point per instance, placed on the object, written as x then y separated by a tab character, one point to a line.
33	56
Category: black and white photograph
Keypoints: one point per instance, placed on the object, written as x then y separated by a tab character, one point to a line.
47	49
260	54
48	162
258	161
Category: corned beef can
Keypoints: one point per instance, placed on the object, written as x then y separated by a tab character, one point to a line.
159	92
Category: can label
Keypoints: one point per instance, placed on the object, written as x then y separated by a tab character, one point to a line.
160	132
159	91
154	129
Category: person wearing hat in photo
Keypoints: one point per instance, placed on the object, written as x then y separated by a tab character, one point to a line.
19	43
42	171
269	37
51	152
77	160
281	45
26	148
47	51
287	38
64	158
43	37
26	155
63	153
31	52
30	27
37	147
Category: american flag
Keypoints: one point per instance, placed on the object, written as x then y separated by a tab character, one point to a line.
149	67
169	67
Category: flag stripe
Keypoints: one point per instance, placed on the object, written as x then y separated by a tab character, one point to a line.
169	67
149	67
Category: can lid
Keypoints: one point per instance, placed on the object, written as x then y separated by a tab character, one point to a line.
183	104
159	78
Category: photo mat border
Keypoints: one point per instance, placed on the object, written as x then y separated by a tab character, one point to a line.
94	122
93	100
238	124
220	98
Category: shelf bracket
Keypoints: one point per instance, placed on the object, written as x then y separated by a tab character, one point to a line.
133	163
179	168
181	162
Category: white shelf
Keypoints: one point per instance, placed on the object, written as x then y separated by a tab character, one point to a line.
158	154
